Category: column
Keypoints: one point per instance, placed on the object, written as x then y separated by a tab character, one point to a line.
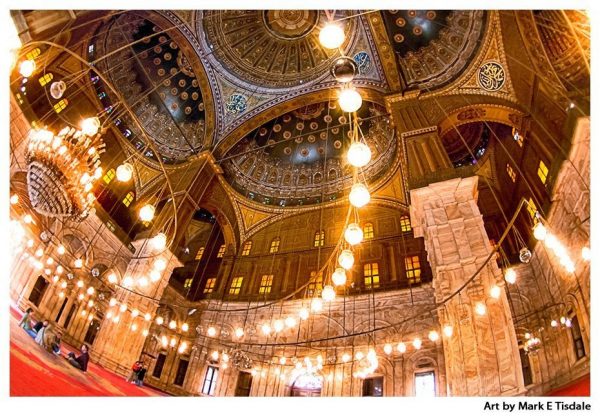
117	346
482	355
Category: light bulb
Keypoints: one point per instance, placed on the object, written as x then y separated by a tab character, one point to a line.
346	259
554	323
417	343
339	277
182	347
63	284
14	199
480	309
211	331
540	232
159	320
124	172
61	250
346	357
147	212
164	340
154	275
142	281
290	322
433	336
353	234
27	67
90	126
359	195
510	275
586	253
316	305
173	342
147	316
278	325
225	357
266	329
80	283
349	100
27	219
59	269
303	314
160	264
185	327
239	332
135	313
127	281
282	360
145	332
387	348
134	327
123	307
495	292
116	319
112	302
57	89
448	330
39	252
328	293
332	36
359	154
78	263
91	290
172	325
112	278
159	241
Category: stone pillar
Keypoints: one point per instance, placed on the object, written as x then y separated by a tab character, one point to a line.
117	346
425	152
482	355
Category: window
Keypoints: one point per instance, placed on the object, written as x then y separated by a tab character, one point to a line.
199	253
61	310
542	172
109	176
319	238
275	245
405	223
46	78
372	386
247	248
531	208
577	338
368	231
525	367
265	284
236	285
221	251
425	384
188	283
181	371
61	105
316	284
210	285
128	198
413	269
210	380
158	367
70	315
511	172
37	293
244	384
92	331
34	53
371	275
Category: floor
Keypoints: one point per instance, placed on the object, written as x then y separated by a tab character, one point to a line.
36	372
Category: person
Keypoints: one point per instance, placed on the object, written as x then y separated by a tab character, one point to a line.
40	337
140	376
25	323
80	362
137	366
38	325
55	344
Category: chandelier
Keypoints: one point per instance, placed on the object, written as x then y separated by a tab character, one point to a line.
240	360
62	169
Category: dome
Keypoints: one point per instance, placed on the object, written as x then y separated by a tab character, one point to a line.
302	158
